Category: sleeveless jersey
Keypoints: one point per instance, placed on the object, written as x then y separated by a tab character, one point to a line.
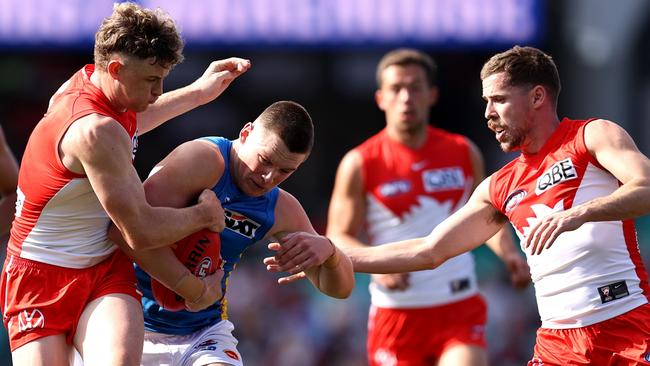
590	274
248	220
408	193
59	219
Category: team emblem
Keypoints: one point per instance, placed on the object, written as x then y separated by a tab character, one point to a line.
513	200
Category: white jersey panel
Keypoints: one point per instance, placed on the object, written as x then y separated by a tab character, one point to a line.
568	276
72	229
453	281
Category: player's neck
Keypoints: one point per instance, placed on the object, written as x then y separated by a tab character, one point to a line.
539	135
413	139
97	79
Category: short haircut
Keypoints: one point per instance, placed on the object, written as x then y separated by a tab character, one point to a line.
136	31
525	66
408	56
292	123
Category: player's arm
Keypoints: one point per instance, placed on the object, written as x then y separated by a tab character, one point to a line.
347	209
8	183
463	231
502	244
99	147
615	151
323	263
216	78
347	214
175	182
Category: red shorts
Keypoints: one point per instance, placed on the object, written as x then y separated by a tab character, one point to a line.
622	341
40	300
417	337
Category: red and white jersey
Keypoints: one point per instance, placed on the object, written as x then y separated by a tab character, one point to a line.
59	219
590	274
408	193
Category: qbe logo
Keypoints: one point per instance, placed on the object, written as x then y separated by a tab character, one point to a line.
561	171
445	179
28	320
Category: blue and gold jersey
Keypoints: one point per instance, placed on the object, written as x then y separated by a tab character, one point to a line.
248	219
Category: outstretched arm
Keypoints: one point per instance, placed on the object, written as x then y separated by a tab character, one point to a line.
323	263
463	231
610	145
8	183
216	78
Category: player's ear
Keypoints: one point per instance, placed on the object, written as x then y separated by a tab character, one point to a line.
245	132
538	95
113	68
434	94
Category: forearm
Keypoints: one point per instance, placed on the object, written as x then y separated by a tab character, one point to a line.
162	265
159	227
169	105
335	276
405	256
629	201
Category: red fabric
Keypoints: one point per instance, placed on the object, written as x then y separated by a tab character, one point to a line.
40	300
620	341
418	337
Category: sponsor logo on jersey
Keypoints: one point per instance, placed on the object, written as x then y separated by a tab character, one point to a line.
561	171
394	188
419	165
513	200
241	224
445	179
208	345
28	320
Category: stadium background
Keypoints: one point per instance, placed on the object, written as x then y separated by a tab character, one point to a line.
323	53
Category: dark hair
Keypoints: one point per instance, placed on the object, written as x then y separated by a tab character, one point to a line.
408	56
136	31
525	66
292	123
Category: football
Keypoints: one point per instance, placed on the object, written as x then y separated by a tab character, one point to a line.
200	252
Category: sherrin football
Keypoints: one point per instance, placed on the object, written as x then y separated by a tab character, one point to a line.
200	252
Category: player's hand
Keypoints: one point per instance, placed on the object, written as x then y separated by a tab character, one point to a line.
218	76
543	235
211	292
299	251
393	281
518	269
214	211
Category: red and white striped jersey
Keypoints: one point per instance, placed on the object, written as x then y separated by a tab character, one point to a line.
408	193
590	274
59	219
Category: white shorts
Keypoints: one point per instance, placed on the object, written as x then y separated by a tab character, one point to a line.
209	345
